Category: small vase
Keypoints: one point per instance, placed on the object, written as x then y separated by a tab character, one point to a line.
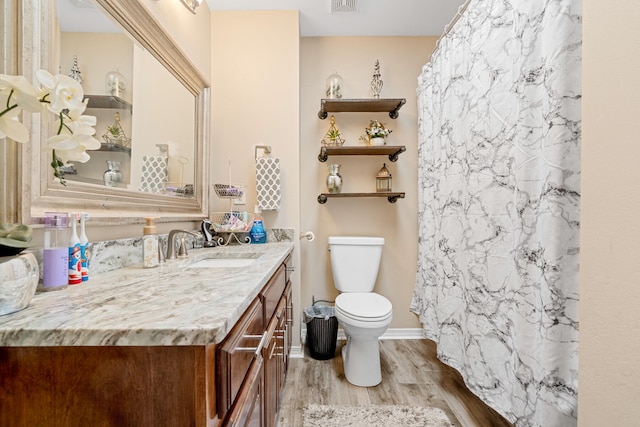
334	180
112	176
18	282
377	141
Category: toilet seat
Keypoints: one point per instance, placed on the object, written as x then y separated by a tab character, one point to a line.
364	307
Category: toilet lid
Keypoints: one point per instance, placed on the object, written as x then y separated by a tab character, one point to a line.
367	305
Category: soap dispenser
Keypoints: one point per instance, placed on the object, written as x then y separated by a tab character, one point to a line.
150	256
257	233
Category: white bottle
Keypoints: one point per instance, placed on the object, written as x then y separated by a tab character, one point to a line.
75	255
84	250
150	244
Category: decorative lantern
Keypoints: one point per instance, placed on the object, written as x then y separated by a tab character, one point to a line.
383	180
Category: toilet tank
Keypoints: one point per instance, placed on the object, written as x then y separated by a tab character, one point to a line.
355	261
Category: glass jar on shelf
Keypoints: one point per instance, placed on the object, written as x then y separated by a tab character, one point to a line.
115	83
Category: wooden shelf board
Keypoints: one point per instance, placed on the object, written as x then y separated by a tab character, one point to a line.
360	150
108	101
393	151
383	105
391	196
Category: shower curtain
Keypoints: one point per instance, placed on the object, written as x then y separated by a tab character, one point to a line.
499	192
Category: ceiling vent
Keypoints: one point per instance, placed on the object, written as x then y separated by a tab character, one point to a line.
339	6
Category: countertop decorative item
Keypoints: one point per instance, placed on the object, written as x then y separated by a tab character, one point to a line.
332	138
18	282
376	81
14	238
334	86
376	133
62	96
55	256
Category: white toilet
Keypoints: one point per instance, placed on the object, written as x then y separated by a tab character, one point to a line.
363	314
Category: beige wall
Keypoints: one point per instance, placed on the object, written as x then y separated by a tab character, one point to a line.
610	238
401	59
255	101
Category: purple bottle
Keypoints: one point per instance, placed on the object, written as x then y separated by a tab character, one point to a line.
56	251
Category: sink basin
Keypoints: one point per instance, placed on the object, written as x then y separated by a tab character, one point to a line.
225	260
222	262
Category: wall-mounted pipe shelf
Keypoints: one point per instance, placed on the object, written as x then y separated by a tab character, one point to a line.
392	197
108	101
107	146
390	105
393	151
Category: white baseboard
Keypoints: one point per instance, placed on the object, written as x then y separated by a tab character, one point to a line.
389	334
297	352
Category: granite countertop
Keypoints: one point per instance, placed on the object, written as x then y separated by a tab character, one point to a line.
134	306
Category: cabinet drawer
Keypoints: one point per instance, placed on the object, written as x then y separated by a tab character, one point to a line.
247	411
272	292
236	353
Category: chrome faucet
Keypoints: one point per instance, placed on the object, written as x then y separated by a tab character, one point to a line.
171	244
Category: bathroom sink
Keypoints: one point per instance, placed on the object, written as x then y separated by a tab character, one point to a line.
226	260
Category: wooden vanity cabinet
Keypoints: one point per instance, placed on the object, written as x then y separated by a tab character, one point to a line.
249	407
236	354
249	392
274	366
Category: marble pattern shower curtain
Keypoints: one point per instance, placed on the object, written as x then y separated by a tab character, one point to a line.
499	192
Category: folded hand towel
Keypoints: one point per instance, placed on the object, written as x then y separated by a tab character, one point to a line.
154	174
268	183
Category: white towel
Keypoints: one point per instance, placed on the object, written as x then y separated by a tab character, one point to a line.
153	176
268	183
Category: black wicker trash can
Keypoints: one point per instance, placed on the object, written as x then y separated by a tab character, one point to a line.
322	331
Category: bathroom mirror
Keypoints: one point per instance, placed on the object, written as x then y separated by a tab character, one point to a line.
147	110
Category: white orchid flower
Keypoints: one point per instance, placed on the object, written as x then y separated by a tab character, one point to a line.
16	94
17	90
65	93
10	127
59	94
75	136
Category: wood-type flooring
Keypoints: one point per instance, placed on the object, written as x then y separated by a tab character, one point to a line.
411	375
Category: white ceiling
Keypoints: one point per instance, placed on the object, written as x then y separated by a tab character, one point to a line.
371	18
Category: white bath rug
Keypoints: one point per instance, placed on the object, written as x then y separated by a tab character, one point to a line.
374	416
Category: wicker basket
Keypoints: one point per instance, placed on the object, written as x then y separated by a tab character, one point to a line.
229	191
231	222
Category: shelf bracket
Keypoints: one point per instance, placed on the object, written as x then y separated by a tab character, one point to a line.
396	111
323	156
393	199
322	199
394	157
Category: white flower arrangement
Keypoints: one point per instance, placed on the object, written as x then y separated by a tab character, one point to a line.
62	96
375	129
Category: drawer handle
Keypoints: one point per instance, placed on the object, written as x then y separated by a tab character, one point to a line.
257	349
290	269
